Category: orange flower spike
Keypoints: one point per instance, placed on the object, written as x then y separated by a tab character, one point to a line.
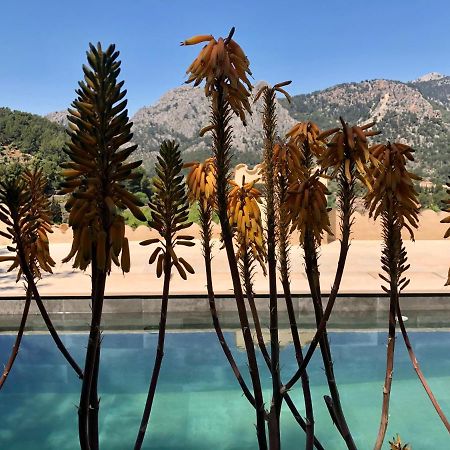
223	65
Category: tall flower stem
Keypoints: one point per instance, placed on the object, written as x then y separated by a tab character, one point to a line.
391	252
312	271
18	340
284	264
311	440
37	297
159	353
270	124
206	234
344	247
87	429
418	370
169	214
222	141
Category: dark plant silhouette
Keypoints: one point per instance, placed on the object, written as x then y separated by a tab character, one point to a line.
343	152
170	211
394	199
95	179
25	210
224	67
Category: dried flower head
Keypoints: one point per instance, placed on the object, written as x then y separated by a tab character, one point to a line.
349	145
307	133
201	181
245	217
306	207
25	210
222	64
275	88
287	158
393	186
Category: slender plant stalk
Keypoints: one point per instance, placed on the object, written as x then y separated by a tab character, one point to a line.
270	125
205	221
94	403
89	384
313	279
388	376
159	353
391	254
299	357
284	263
206	234
246	275
18	340
312	271
346	198
222	140
417	368
37	297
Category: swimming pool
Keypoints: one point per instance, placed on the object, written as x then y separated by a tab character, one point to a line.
199	404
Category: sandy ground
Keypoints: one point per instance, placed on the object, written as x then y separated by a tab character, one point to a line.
429	264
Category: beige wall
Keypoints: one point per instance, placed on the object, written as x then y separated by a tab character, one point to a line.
365	228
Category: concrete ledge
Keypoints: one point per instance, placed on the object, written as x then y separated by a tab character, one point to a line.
186	304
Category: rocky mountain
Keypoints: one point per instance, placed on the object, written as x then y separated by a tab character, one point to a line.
182	112
416	112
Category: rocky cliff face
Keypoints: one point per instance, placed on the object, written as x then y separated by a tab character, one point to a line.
417	112
182	112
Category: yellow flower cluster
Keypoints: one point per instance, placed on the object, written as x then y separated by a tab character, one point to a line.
201	181
244	216
306	207
223	65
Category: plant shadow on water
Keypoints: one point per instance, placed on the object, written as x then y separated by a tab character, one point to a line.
199	405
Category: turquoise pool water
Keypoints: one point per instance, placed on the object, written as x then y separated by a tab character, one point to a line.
199	405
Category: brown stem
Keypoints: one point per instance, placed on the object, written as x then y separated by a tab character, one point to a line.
313	276
91	363
16	346
346	214
94	404
389	370
417	368
222	142
262	346
34	290
299	357
159	353
205	218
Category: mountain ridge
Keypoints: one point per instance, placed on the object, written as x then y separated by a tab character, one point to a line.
416	112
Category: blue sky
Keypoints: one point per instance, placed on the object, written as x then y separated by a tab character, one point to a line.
316	44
